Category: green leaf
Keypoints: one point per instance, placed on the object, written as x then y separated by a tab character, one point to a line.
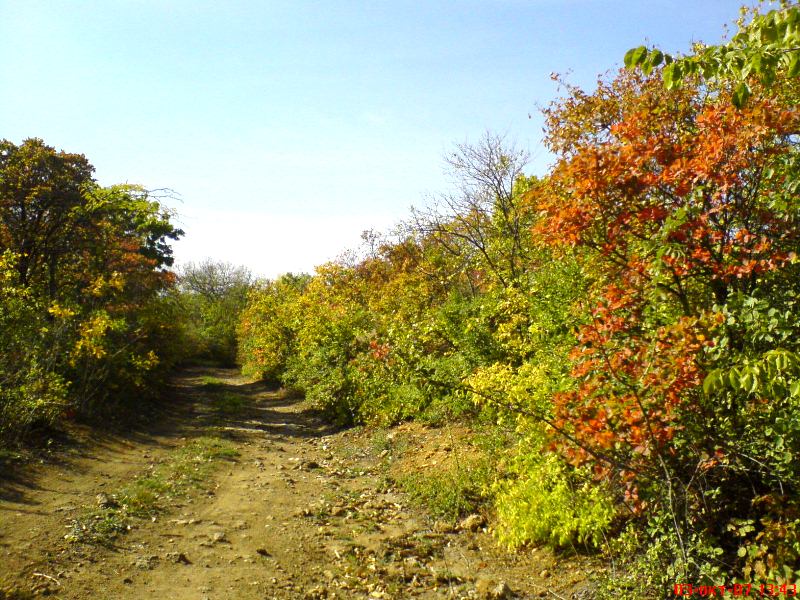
733	378
635	56
746	382
741	94
757	64
794	65
672	75
793	16
712	382
769	34
629	58
668	75
656	58
653	59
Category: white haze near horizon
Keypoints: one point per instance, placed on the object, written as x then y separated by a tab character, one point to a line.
271	245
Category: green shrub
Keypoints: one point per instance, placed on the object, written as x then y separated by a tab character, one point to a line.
547	503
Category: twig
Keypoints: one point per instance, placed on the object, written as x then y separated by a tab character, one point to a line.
58	583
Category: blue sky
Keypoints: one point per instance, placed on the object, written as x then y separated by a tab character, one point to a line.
287	128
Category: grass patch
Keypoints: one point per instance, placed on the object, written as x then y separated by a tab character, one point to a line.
449	472
99	526
453	493
224	403
381	441
388	443
207	381
150	494
228	403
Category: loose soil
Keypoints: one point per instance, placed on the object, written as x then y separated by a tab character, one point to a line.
303	511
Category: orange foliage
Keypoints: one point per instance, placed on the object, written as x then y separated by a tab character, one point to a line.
670	193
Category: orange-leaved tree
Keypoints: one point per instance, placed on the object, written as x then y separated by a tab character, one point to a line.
686	206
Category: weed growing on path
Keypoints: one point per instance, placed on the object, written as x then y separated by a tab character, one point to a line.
210	382
228	403
150	494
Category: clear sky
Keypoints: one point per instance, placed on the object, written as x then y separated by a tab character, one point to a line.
287	128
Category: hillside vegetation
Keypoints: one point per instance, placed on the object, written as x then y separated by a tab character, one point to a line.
632	317
84	318
622	331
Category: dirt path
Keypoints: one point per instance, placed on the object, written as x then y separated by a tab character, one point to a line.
301	512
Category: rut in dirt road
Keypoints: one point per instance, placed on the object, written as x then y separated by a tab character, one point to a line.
300	511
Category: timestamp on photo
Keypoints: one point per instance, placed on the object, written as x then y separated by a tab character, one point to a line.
767	590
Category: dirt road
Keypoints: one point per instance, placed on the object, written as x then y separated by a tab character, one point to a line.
294	509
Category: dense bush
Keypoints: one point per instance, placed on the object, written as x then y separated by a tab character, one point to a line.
686	368
31	391
83	323
267	327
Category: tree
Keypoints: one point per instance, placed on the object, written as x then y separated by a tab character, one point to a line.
213	295
41	193
64	227
268	326
89	264
686	207
483	221
215	280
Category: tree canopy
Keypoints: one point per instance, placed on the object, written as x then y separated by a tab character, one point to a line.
83	276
